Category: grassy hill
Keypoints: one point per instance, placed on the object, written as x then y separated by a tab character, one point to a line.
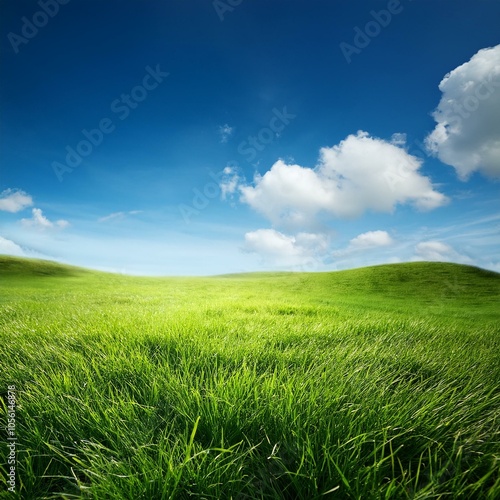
380	382
21	267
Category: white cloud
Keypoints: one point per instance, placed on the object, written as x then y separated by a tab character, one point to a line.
438	251
365	241
467	134
225	132
14	200
371	239
229	187
278	249
229	182
39	221
361	173
8	247
398	139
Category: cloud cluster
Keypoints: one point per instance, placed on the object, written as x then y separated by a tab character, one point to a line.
278	249
13	201
361	173
39	221
364	173
467	134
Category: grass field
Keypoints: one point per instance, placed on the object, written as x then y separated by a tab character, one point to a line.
374	383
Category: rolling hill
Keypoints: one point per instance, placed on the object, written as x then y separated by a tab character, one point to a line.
379	382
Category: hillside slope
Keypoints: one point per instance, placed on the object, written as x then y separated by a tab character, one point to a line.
398	280
22	267
417	286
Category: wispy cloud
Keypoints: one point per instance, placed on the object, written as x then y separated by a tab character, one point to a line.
230	182
118	215
225	132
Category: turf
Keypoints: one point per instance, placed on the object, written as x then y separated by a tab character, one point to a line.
380	382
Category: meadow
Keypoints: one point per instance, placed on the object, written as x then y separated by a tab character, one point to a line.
374	383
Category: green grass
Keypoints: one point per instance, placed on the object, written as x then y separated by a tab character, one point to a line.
375	383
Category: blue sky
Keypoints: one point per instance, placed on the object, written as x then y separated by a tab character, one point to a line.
187	138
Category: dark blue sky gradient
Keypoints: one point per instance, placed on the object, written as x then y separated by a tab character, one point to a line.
263	55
